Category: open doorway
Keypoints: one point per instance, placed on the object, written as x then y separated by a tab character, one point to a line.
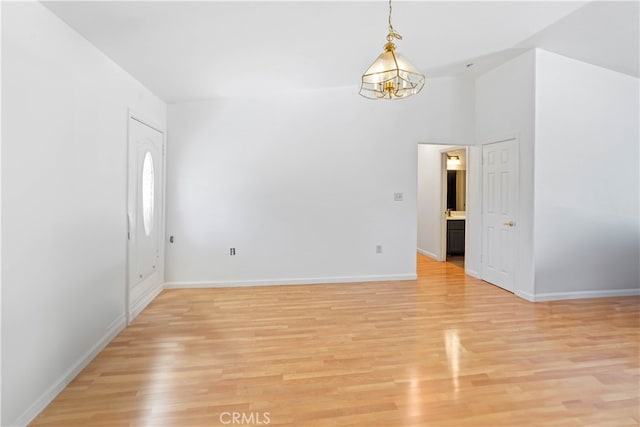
434	215
454	200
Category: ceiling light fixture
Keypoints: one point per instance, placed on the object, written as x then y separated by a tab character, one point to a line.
391	76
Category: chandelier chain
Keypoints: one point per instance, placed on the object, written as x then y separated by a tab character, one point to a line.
392	32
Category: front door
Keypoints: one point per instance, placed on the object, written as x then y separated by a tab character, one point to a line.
145	234
499	204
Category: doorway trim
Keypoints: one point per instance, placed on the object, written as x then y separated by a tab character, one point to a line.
443	204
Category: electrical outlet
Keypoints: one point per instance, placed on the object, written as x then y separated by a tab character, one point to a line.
378	249
397	197
232	251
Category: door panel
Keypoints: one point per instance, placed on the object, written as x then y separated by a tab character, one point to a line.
146	239
145	195
499	205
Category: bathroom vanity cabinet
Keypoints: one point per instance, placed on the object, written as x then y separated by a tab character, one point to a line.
455	236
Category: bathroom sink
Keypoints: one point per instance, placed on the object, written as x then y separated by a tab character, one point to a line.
457	215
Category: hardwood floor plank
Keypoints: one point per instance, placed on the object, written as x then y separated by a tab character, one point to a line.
444	350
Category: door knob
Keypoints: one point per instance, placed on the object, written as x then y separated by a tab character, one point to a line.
509	224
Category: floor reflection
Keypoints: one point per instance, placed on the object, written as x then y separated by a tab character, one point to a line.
453	348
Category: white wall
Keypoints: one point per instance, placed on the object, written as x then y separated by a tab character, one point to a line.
430	201
453	111
64	148
0	229
586	180
577	126
302	185
473	224
505	107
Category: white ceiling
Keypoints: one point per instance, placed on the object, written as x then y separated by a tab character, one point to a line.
196	50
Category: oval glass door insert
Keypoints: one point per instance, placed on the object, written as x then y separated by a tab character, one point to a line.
148	189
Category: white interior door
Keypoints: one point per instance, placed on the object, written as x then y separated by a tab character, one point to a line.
145	205
499	204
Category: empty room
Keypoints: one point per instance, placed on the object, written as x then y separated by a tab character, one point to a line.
320	213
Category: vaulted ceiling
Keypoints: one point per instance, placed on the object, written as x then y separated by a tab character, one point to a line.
195	50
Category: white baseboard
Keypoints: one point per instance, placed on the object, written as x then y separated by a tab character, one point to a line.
472	273
38	406
301	281
144	300
429	254
554	296
525	295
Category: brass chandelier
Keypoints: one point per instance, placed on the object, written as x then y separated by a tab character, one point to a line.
391	76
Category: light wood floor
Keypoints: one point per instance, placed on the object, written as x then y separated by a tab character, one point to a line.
446	350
